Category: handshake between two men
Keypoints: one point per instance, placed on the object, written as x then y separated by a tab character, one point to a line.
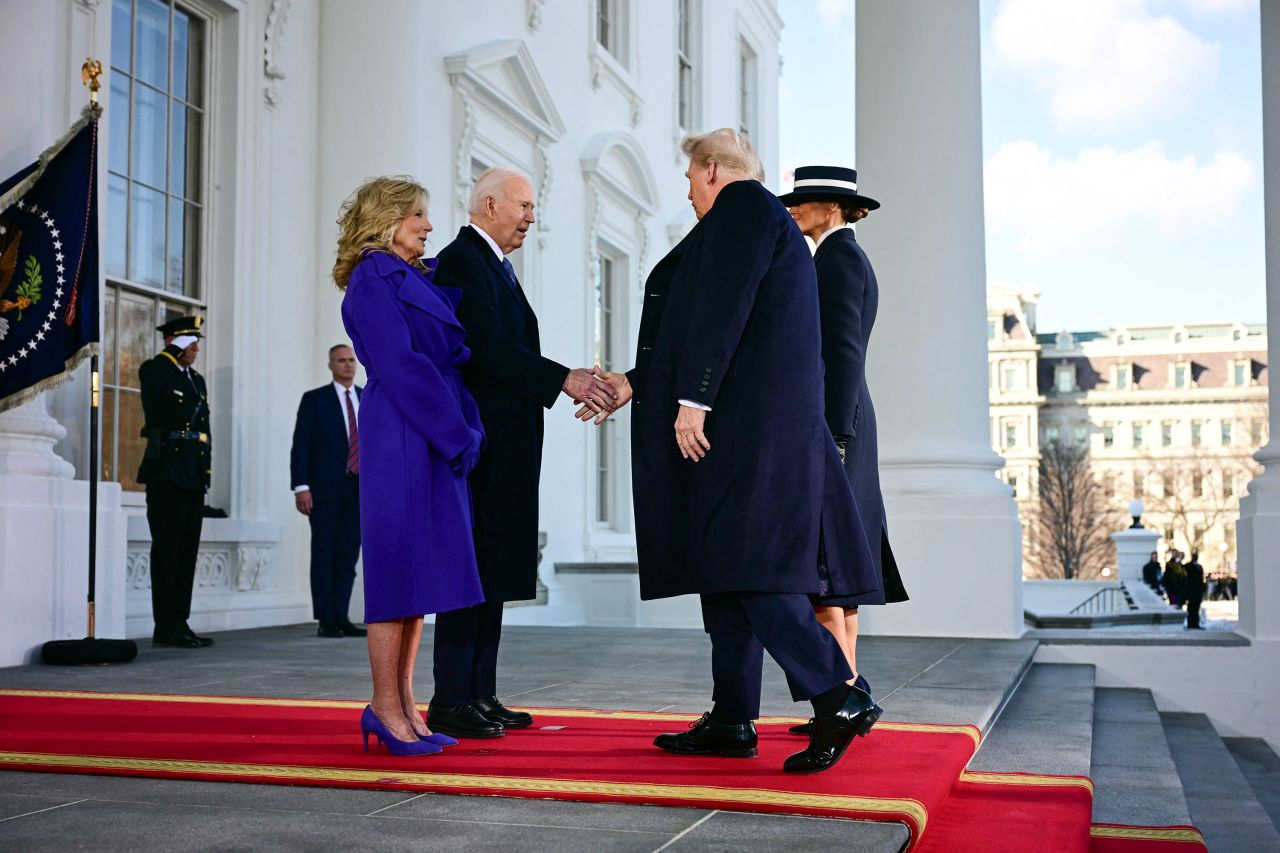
602	393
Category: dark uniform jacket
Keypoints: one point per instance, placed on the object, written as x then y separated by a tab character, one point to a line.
849	297
175	407
318	457
512	383
730	320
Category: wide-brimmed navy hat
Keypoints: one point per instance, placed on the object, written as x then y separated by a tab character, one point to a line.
827	183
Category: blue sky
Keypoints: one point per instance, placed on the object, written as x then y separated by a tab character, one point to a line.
1122	142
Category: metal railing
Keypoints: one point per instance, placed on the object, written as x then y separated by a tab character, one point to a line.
1113	599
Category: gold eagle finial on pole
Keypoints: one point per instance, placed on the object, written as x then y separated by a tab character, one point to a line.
89	74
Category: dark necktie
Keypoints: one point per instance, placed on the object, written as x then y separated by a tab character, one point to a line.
511	273
353	438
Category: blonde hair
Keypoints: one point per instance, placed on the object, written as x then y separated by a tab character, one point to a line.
728	149
369	218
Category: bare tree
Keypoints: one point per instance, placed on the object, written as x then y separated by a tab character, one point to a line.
1199	489
1072	521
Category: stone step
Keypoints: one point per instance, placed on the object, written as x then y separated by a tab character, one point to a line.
1261	766
1134	775
1047	726
1221	801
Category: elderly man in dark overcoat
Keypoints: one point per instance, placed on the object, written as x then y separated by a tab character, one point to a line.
739	505
512	382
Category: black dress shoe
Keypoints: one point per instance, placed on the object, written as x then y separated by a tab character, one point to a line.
707	737
175	639
350	630
463	721
832	735
328	629
806	729
204	642
496	712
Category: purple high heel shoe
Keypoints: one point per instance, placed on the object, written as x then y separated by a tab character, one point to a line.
371	725
437	738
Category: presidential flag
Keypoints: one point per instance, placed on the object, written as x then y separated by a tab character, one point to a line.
49	265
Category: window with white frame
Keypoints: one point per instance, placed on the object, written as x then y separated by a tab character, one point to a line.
1181	375
1065	378
1197	433
1228	432
1010	375
155	204
1051	435
1228	484
612	29
1166	434
1240	373
1198	484
1136	428
748	86
1082	434
686	51
1108	435
1123	375
1139	485
1255	432
1010	434
608	345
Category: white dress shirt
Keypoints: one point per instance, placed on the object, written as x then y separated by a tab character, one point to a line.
492	244
342	401
827	233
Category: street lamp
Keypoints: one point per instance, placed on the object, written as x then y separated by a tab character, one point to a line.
1223	547
1135	509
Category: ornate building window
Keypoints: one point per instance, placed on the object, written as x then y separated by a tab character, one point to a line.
1181	375
1065	378
607	351
1240	373
686	63
1137	434
748	87
1108	435
155	204
1010	435
1227	431
1082	434
1123	375
1228	484
1166	434
1198	484
1197	431
1051	435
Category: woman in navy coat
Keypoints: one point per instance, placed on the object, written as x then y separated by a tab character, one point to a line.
824	201
420	436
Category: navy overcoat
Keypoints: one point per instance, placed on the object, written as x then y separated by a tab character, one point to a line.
849	297
730	320
420	435
512	383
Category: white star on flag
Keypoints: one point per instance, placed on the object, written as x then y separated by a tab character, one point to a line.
54	232
39	336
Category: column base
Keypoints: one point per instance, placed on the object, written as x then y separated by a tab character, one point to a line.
1258	544
44	564
961	562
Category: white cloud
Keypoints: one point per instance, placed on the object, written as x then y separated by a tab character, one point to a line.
1222	5
832	11
1103	62
1104	196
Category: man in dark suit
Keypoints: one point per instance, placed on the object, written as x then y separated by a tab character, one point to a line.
324	468
175	468
512	383
1193	591
729	349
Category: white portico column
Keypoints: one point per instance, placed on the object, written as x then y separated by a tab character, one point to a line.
953	525
1259	528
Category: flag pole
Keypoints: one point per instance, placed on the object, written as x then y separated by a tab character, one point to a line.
91	650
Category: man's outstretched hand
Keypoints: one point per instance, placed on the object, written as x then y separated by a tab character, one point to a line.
594	393
621	390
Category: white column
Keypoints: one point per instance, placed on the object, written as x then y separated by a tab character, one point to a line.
1259	529
953	525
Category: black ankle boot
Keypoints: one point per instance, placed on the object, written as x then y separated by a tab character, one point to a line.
707	737
833	733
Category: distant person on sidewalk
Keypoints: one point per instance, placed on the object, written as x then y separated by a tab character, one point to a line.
1151	573
1174	575
324	465
1193	591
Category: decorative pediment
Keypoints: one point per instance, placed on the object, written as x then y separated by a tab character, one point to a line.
619	163
503	74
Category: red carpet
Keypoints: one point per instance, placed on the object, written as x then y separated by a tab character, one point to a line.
902	771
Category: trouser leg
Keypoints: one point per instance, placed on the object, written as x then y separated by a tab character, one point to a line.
348	552
193	522
1193	611
786	626
162	517
737	659
324	536
453	656
484	672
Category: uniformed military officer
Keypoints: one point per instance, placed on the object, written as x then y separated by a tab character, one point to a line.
175	470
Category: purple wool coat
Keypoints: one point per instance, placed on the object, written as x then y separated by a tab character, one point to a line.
420	436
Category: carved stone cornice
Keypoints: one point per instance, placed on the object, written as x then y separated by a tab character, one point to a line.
273	68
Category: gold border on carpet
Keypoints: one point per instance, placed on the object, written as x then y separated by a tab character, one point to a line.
1185	834
585	713
1028	779
911	809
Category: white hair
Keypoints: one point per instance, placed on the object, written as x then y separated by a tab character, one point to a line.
727	148
491	184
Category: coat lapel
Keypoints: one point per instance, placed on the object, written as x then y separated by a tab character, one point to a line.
503	286
842	234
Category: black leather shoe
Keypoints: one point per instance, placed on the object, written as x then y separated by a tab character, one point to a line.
328	629
175	639
204	642
707	737
462	721
806	729
350	630
832	735
494	711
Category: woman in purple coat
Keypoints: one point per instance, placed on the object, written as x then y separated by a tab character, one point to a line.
420	436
